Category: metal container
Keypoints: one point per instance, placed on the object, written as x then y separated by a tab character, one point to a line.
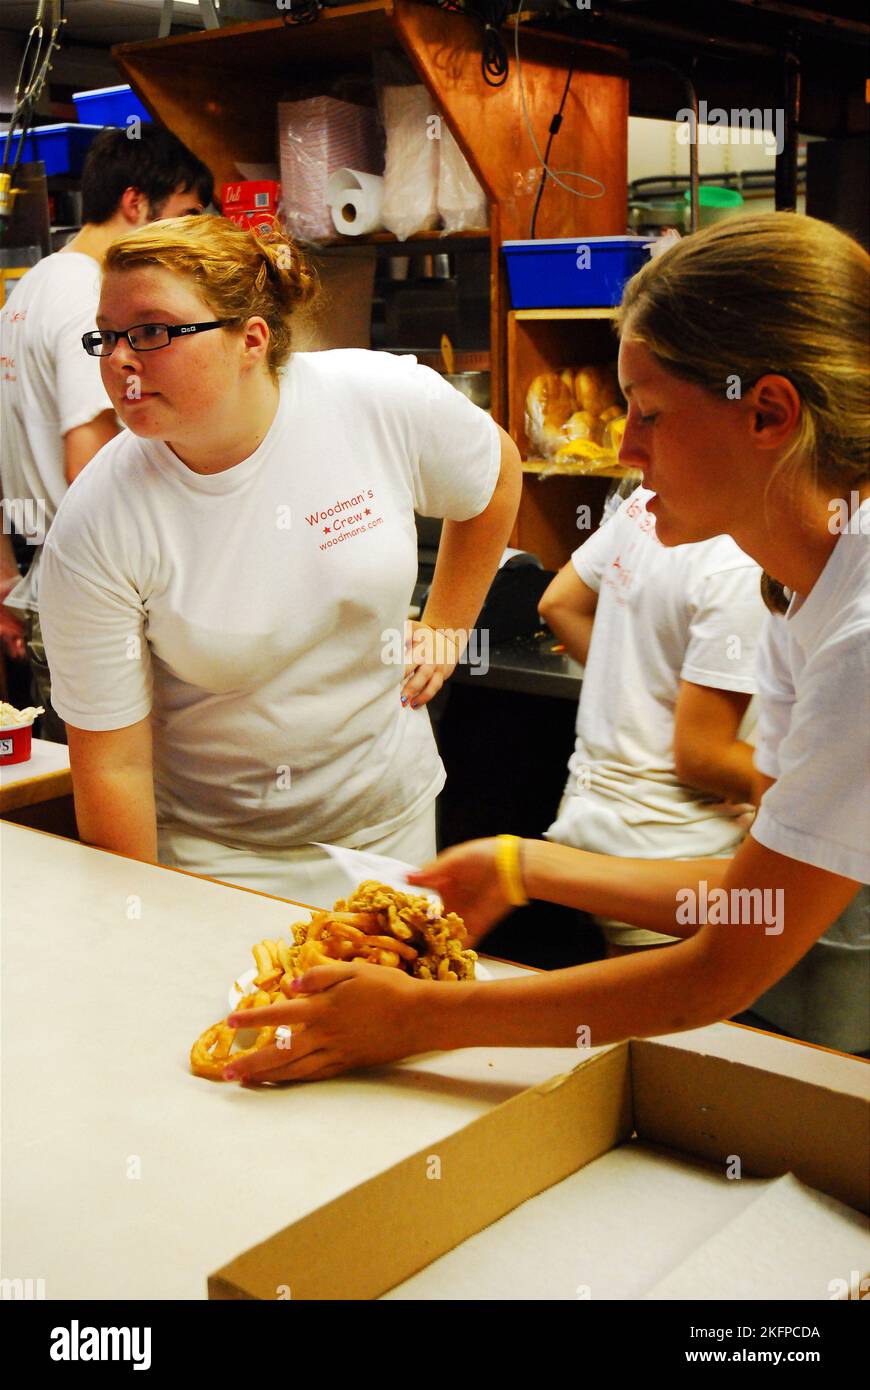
474	385
434	267
648	219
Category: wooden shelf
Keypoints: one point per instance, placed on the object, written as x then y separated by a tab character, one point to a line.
414	245
252	51
218	90
567	470
565	313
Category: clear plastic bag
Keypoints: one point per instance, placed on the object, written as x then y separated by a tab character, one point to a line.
411	174
316	137
462	202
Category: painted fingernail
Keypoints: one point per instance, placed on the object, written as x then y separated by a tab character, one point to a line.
230	1075
413	704
404	699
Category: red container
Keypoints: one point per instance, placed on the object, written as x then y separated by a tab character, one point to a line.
15	744
251	217
250	195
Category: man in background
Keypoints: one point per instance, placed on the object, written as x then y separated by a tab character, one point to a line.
55	412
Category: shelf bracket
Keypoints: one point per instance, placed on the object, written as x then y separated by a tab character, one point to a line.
206	8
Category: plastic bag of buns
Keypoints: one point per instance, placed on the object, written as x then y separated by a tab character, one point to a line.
576	403
550	402
596	388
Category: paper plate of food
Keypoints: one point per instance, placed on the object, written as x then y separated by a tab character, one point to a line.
376	923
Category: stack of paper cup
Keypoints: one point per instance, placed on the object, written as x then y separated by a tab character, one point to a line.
355	200
16	727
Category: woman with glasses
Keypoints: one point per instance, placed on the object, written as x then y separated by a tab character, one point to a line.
226	589
744	359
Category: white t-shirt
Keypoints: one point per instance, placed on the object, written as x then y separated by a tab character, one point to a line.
49	386
252	609
664	615
814	738
814	732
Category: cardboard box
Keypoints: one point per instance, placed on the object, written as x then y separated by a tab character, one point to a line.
252	218
716	1094
250	195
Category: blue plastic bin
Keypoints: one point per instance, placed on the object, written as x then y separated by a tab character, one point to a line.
573	272
109	106
62	148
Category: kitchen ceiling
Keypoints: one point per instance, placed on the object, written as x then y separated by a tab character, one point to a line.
104	22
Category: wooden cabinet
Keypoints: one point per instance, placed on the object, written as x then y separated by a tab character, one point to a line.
556	511
218	90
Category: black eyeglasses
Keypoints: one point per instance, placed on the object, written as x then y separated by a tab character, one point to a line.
143	337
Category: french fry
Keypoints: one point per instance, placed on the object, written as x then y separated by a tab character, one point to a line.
378	956
266	969
344	930
399	930
391	943
367	921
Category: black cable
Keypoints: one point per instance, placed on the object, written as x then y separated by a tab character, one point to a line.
554	130
492	14
32	74
494	62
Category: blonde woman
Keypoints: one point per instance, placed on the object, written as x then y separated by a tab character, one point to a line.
225	589
744	357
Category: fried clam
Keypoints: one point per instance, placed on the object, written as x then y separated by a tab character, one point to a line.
415	919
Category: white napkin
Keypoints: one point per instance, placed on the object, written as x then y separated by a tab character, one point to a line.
359	864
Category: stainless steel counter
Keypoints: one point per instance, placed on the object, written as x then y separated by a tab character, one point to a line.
528	666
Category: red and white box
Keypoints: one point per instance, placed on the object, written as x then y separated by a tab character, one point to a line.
252	218
250	195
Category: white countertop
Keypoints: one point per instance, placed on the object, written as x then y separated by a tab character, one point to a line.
111	969
46	758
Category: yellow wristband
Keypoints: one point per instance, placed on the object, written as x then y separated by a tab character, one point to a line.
507	865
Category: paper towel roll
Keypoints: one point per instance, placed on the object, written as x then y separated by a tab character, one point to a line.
355	200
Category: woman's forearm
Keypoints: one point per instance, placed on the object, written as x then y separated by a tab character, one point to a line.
727	771
645	892
607	1001
574	630
470	551
116	810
